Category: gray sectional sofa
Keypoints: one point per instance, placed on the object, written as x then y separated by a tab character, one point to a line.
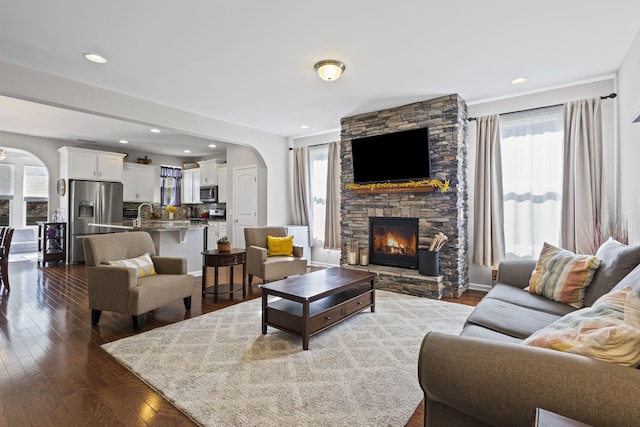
486	377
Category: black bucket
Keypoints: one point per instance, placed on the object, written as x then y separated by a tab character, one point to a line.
428	262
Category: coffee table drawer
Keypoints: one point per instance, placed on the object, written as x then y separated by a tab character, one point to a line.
327	318
359	303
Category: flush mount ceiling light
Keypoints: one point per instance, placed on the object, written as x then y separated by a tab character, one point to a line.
3	153
519	80
212	145
154	130
329	69
94	57
123	141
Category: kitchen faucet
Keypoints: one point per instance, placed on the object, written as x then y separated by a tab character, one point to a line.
138	221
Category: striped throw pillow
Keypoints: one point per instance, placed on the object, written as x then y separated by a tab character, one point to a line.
607	331
142	264
563	276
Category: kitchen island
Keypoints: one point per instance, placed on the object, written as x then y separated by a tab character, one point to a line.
174	238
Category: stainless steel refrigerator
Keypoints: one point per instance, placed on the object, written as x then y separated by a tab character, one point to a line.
91	202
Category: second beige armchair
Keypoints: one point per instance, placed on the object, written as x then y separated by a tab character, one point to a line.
270	268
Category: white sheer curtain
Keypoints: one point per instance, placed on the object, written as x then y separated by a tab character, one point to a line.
488	242
332	222
318	162
582	201
532	179
301	190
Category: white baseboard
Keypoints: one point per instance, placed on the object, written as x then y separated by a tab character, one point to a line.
322	264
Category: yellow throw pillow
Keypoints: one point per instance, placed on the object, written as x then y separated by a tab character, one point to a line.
142	264
279	246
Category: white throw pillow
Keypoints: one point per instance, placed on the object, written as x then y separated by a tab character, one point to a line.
608	331
142	264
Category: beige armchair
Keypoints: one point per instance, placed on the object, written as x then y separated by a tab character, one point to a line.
119	289
271	267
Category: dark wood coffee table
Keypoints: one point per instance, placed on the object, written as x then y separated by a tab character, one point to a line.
313	302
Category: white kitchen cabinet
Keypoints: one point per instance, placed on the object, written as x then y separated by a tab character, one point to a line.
208	173
212	235
191	186
141	183
222	184
94	165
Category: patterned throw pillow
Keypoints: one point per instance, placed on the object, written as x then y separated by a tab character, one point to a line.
279	246
608	331
563	276
142	264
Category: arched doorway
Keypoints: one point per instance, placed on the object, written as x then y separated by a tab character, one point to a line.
24	197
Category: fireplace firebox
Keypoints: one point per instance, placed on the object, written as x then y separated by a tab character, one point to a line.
393	241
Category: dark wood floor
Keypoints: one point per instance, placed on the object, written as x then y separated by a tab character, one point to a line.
52	370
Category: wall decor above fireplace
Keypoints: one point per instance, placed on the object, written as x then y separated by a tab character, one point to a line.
423	186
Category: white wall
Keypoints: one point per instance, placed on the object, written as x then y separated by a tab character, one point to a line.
482	275
24	83
319	255
46	150
629	104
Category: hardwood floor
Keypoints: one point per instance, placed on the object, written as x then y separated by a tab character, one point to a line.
52	370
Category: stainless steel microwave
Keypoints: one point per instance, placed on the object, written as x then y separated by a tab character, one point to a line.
209	194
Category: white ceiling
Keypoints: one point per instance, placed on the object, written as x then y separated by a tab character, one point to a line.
251	62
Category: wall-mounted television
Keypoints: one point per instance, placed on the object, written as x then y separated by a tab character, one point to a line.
392	157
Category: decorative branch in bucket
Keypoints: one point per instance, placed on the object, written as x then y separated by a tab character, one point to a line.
438	242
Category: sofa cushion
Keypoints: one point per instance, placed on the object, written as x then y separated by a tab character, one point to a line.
631	280
616	261
475	331
608	331
279	246
563	276
509	318
517	296
143	265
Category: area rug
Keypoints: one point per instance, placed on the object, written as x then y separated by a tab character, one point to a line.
220	370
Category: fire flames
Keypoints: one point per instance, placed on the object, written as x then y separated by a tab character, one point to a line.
394	243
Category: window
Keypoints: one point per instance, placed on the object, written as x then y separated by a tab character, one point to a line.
531	144
318	166
35	193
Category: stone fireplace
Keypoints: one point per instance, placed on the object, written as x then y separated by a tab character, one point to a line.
435	211
393	241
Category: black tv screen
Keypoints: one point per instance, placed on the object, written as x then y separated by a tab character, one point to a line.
392	157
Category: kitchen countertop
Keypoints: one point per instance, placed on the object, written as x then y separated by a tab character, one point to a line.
154	225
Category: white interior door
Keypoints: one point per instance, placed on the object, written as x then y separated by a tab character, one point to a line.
245	202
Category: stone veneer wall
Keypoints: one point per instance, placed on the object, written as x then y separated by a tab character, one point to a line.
446	212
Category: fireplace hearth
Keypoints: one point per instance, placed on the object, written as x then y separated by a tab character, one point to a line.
393	241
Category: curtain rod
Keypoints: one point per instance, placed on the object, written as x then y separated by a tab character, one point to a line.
312	145
610	96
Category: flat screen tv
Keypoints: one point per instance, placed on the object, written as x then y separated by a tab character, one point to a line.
392	157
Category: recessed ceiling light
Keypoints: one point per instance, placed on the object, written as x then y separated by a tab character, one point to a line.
212	145
123	141
304	127
154	130
187	151
94	57
518	80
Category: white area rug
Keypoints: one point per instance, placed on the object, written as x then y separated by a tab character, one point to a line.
221	371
